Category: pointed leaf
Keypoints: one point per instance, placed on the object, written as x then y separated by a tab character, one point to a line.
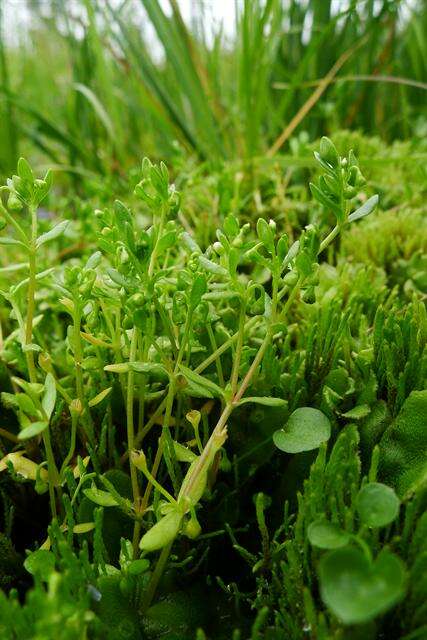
365	209
162	533
264	400
103	498
99	397
32	430
55	232
49	396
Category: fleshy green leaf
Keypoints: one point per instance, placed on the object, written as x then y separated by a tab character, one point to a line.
24	170
99	397
305	430
136	567
183	454
212	267
377	504
40	563
149	367
326	535
365	209
55	232
265	400
357	413
355	590
49	396
162	533
32	430
201	382
197	290
11	241
166	242
103	498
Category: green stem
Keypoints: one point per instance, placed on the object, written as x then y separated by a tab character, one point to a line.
223	348
183	342
32	373
78	359
155	578
141	434
329	238
11	220
68	457
131	438
218	359
52	471
239	346
252	369
153	256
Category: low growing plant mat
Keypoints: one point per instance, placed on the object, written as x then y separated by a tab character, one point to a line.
213	431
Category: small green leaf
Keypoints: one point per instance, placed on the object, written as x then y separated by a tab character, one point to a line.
212	267
183	454
83	527
24	170
49	396
55	232
201	382
198	289
103	498
193	390
328	152
162	533
99	397
325	200
119	367
32	430
377	504
40	563
12	241
265	400
231	225
365	209
292	253
31	347
149	367
305	430
357	413
326	535
265	233
136	567
356	590
166	242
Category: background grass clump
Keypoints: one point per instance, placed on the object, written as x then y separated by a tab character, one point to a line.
213	363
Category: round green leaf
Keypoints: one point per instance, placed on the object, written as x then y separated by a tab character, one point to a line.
326	535
356	590
377	504
305	430
136	567
41	563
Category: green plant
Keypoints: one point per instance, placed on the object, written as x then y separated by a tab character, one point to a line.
167	370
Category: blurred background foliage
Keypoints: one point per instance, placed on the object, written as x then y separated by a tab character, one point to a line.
91	85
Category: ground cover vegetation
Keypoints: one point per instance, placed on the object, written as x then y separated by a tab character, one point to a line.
212	369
